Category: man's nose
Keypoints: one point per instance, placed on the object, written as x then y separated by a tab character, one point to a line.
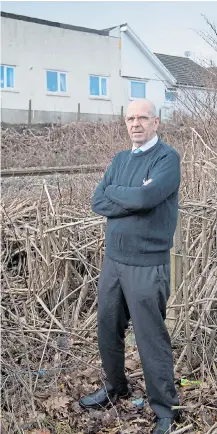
136	121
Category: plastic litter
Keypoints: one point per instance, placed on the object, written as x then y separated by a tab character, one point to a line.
139	402
184	382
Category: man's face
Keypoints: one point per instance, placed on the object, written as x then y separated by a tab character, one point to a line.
141	124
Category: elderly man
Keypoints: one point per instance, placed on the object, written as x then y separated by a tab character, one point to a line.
139	197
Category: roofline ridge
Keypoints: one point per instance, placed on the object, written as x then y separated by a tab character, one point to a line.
53	23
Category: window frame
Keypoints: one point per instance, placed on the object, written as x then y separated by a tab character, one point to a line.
58	91
100	96
131	98
5	87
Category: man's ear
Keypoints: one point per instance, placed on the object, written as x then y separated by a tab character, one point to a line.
157	121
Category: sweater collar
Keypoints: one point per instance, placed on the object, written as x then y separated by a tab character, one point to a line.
146	145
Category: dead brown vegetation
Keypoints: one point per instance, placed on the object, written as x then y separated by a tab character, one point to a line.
52	251
74	144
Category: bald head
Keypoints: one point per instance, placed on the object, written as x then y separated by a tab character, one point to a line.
142	105
141	120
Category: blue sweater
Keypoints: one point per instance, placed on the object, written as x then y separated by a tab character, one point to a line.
139	197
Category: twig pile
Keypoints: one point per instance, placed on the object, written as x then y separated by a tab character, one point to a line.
51	259
52	252
196	297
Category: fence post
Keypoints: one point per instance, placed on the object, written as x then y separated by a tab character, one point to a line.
178	252
122	111
30	112
175	270
79	112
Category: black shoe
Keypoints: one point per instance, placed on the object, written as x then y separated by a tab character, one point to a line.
165	425
102	397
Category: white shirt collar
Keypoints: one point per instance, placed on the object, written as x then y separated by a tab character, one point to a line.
147	145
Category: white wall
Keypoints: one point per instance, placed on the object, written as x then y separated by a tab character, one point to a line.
136	65
197	101
33	48
192	101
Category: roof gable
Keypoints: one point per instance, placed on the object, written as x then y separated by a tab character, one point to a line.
148	53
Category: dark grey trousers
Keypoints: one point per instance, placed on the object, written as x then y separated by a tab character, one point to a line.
139	293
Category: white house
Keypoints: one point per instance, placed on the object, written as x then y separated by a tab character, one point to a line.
54	72
195	91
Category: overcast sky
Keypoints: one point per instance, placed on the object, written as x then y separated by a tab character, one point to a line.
165	27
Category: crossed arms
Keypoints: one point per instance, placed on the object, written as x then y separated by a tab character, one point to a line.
118	201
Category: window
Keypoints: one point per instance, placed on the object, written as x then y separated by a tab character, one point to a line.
7	77
98	86
56	81
137	89
170	95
